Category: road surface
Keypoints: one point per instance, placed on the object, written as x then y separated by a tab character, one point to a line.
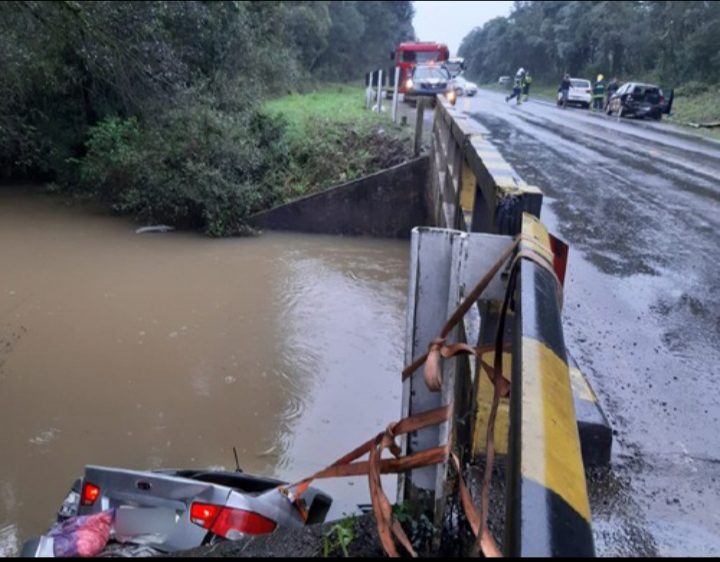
640	205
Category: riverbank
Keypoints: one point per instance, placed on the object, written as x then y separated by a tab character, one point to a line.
209	168
333	139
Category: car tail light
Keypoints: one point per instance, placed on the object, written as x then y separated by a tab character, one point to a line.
90	493
232	521
588	91
204	514
662	99
226	522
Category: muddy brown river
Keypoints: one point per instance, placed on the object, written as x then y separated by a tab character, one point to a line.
166	350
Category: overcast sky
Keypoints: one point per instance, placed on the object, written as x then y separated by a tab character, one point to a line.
449	22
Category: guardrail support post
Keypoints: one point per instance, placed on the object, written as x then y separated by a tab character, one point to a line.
368	89
379	92
419	116
444	265
396	95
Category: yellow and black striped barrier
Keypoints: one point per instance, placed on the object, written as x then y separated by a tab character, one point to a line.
548	512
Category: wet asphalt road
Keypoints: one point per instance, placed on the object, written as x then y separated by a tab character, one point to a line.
639	204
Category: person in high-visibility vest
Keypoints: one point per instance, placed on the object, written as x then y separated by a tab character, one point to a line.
598	94
527	80
517	87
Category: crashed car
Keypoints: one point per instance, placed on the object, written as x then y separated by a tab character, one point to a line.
429	81
112	511
636	99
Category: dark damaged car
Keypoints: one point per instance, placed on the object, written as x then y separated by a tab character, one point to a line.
636	99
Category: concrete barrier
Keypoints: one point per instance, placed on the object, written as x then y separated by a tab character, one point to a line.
548	511
386	204
470	185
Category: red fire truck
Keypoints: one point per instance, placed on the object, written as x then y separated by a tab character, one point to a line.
407	55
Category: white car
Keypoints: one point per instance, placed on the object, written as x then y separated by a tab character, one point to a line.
580	93
463	87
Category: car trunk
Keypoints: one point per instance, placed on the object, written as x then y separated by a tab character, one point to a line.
651	96
152	507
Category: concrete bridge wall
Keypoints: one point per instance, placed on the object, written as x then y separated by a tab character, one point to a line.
386	204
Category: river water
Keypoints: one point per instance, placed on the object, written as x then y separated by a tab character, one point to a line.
166	350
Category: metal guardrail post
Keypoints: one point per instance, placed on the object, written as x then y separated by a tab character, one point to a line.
396	95
368	90
379	92
444	265
419	116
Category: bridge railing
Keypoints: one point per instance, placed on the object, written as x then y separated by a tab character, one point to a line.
470	180
481	205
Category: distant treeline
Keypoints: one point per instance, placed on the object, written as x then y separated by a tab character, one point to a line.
155	106
668	42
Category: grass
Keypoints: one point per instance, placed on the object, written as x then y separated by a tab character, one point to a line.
339	536
338	103
697	107
332	138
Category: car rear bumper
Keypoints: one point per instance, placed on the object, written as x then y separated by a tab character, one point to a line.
642	110
426	94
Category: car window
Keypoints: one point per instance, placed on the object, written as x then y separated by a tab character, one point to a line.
422	72
580	83
420	56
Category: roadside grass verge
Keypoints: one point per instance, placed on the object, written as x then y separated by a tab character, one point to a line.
697	104
332	138
342	103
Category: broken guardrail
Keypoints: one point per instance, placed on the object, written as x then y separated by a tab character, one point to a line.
482	203
546	502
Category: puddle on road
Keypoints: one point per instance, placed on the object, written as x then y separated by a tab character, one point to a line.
166	350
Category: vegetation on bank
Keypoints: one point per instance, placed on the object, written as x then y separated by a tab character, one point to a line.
156	107
332	138
697	103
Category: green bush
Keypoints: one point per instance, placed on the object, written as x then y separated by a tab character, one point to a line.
332	152
198	166
691	89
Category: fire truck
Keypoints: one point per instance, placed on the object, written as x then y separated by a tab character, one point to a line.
407	55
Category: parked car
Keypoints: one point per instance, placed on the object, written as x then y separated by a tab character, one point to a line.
580	93
504	80
429	81
172	510
637	99
464	87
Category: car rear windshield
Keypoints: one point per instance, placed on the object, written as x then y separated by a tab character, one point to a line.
580	83
423	72
649	94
